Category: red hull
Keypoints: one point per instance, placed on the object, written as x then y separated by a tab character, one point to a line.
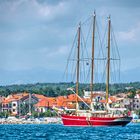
94	121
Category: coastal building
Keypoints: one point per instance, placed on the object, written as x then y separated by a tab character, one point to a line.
1	100
121	95
67	102
127	103
135	102
96	94
14	102
39	96
44	104
114	101
21	103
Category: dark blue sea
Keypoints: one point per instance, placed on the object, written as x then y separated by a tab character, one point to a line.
60	132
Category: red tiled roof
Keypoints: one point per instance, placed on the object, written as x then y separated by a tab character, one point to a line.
14	97
42	103
39	96
112	99
60	101
46	102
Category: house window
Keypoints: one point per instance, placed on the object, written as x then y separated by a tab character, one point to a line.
10	105
14	104
41	109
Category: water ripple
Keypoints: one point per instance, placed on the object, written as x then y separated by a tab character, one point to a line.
60	132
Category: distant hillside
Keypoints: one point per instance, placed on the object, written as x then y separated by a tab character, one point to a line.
56	89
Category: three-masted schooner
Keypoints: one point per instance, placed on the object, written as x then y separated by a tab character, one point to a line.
92	117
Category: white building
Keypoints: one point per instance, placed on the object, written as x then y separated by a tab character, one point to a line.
135	103
97	94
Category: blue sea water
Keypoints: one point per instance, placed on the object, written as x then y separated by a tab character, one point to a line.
60	132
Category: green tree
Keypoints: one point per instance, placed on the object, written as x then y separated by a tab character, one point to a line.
132	95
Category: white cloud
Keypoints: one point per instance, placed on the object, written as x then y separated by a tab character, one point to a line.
31	10
130	35
36	33
51	11
127	35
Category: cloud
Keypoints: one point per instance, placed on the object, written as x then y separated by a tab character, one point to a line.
52	11
130	35
127	36
27	13
119	3
39	33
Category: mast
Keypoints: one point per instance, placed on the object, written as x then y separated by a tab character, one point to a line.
108	60
78	63
92	60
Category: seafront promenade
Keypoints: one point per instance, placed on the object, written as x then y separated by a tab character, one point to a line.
46	120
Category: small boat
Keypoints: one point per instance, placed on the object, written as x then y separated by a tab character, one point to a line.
92	117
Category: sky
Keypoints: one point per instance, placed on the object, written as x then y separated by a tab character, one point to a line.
36	36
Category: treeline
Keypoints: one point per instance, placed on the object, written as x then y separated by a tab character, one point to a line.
57	89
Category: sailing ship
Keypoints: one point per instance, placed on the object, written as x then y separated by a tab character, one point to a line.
92	117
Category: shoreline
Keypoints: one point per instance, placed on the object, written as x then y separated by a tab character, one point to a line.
136	121
46	120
